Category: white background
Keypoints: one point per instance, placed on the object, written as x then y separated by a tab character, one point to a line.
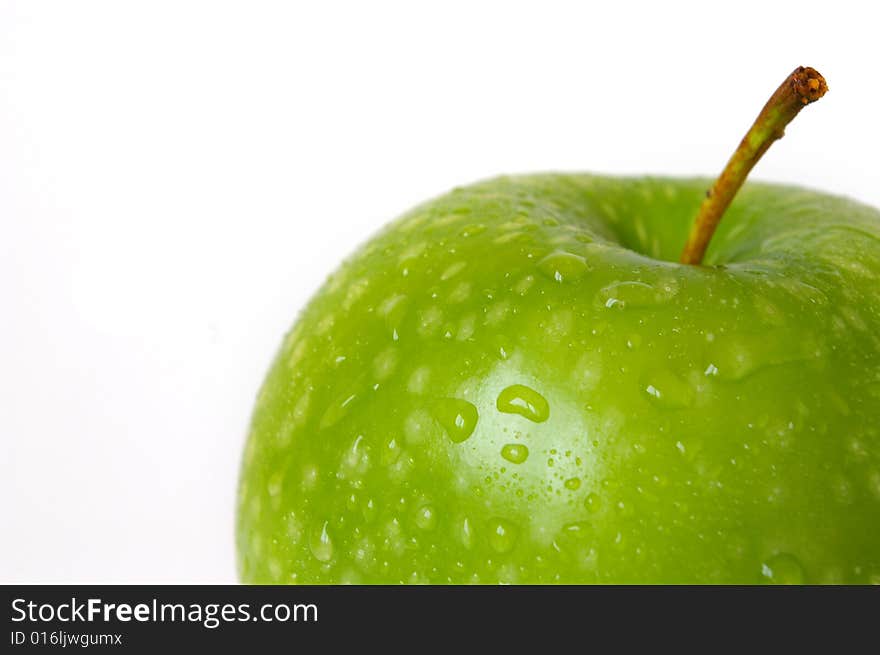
176	178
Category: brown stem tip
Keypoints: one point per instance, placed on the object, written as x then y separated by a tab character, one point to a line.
808	84
803	86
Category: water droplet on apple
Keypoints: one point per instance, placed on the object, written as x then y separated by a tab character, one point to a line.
515	453
573	484
309	477
668	390
392	309
592	503
738	356
365	554
369	510
458	417
356	459
630	294
783	569
320	543
502	535
336	411
390	451
575	532
563	266
467	533
525	401
522	287
426	517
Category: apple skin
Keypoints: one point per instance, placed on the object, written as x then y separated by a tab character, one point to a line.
513	383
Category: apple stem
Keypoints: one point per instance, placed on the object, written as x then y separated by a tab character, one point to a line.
803	86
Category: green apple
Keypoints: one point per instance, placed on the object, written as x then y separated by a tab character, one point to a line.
516	382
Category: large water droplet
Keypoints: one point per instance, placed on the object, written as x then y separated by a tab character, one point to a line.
320	543
573	484
515	453
784	569
522	400
458	417
563	266
502	535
